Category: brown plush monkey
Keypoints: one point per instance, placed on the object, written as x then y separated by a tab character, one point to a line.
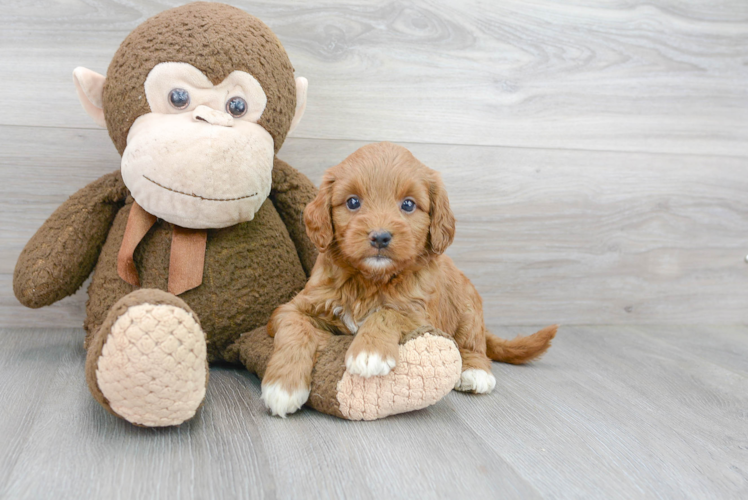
199	236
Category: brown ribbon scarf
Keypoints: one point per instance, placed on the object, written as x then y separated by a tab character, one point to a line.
186	260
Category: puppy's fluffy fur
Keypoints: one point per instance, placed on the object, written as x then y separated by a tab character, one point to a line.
379	293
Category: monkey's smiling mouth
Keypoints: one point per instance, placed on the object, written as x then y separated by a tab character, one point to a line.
197	195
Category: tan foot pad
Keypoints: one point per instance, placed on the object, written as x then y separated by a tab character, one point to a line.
427	370
152	369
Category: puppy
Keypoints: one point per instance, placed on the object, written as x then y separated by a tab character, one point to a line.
382	222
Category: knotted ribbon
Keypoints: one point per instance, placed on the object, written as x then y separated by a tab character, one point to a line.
186	260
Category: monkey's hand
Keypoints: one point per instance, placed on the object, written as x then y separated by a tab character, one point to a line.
291	192
63	252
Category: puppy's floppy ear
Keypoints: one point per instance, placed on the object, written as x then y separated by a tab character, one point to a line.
318	216
442	228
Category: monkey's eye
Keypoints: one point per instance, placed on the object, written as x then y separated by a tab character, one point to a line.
236	107
408	205
353	203
179	98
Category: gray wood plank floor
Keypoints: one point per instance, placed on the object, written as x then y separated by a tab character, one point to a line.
611	412
596	156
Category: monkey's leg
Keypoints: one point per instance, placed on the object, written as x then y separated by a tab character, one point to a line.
428	367
147	363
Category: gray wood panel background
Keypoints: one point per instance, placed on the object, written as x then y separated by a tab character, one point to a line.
596	156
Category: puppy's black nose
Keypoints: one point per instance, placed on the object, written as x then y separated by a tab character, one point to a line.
380	239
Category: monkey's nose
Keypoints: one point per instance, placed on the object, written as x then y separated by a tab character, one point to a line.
380	239
210	115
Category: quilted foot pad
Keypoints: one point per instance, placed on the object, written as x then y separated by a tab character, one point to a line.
152	369
428	368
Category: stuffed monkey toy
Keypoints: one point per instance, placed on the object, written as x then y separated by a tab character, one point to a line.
199	236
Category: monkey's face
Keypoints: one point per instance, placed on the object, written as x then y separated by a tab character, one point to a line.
199	159
197	100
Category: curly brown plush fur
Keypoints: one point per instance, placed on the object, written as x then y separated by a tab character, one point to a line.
213	37
250	267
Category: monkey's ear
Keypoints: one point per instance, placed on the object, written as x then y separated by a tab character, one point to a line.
90	87
301	86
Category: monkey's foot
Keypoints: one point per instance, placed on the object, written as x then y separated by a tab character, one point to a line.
148	361
428	367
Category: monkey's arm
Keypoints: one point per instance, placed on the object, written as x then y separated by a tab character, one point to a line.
291	192
63	252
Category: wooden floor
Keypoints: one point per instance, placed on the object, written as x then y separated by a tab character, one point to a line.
610	412
596	157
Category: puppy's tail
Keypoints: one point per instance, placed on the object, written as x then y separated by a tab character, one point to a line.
520	349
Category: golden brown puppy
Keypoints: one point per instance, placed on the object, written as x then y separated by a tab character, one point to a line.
381	222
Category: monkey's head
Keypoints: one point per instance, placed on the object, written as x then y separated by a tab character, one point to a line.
197	100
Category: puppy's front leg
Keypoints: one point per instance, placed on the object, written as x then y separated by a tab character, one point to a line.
374	349
287	380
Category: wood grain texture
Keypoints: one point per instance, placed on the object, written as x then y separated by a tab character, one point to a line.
610	412
623	412
577	237
633	75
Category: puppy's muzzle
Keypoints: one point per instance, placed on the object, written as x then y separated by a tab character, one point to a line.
380	239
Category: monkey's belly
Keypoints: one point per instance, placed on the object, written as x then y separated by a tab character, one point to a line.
250	269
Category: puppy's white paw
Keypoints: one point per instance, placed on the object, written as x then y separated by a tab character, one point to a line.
281	402
369	364
476	380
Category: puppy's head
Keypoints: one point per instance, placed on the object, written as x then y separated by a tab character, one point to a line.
381	211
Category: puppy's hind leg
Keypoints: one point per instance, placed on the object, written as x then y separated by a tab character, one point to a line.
476	373
476	365
287	380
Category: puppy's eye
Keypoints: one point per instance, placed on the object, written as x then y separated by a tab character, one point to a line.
236	107
179	98
408	205
353	203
